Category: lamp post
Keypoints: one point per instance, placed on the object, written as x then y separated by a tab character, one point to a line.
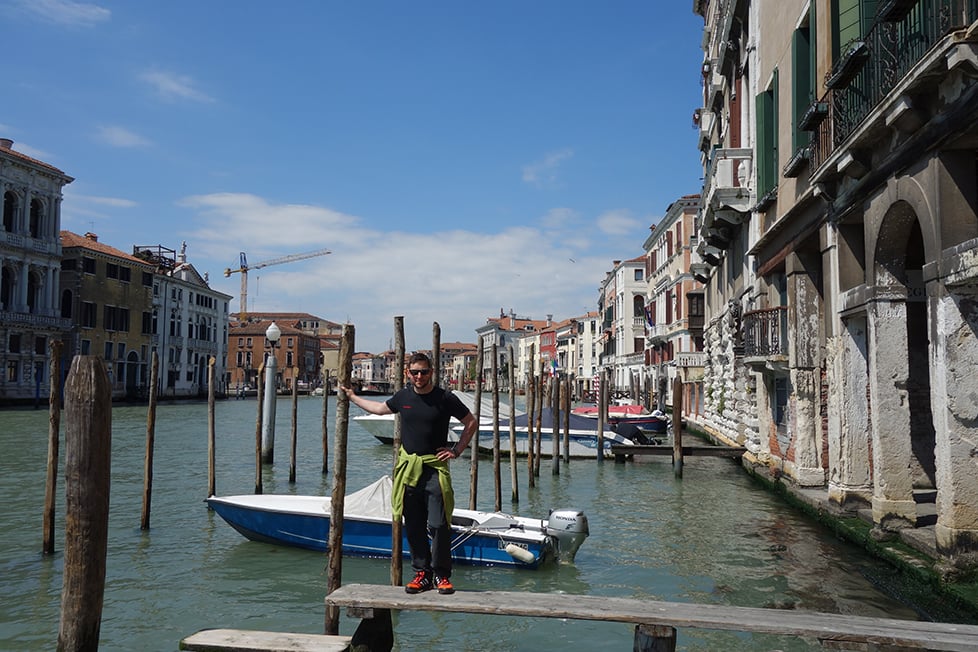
268	414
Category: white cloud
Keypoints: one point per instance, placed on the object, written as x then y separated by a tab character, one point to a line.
544	173
173	87
120	137
456	278
617	223
66	12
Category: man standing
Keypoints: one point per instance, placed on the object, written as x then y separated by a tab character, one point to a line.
422	482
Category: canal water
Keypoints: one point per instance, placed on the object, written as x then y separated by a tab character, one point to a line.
712	537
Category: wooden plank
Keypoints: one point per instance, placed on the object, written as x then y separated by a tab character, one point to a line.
696	451
822	626
246	640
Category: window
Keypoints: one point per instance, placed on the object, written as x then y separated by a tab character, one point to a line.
69	264
249	341
240	341
290	342
147	323
802	80
108	350
40	345
88	265
12	371
125	274
111	270
289	360
121	351
86	347
116	318
767	138
88	314
13	343
638	274
148	281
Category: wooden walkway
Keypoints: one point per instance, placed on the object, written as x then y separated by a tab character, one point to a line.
619	450
656	622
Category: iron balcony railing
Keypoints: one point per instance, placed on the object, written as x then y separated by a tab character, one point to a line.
871	67
766	332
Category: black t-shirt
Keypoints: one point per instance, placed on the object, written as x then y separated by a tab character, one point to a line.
425	418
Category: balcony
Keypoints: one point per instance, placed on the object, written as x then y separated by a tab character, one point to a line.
765	337
688	359
725	185
873	68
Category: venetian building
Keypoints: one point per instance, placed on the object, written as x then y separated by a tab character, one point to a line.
674	307
860	326
30	259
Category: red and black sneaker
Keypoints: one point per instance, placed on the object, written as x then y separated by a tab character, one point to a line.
421	582
444	585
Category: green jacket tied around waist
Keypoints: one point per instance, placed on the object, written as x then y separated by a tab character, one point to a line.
407	473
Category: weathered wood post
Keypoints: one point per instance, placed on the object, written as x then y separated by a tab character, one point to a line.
54	428
325	424
495	429
435	355
334	547
474	442
88	447
530	408
397	539
150	444
258	428
566	412
541	403
211	429
677	427
555	431
512	428
295	422
602	411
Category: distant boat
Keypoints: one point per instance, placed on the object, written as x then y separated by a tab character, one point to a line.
478	538
655	421
582	435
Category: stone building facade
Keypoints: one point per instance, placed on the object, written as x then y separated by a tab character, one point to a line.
840	252
30	258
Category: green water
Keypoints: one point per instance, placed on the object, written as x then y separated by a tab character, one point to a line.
712	537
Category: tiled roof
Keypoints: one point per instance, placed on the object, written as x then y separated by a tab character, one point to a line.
69	239
33	161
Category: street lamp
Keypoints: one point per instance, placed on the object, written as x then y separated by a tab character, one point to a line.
272	334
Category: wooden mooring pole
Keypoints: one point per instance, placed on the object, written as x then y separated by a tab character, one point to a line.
261	403
150	443
334	547
498	505
325	422
530	408
54	429
677	427
295	422
397	527
211	427
514	476
474	442
88	447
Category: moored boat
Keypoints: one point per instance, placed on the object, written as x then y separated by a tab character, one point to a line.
636	415
478	538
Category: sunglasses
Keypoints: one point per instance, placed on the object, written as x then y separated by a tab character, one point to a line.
419	372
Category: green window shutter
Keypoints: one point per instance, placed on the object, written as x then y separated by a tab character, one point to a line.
801	82
767	138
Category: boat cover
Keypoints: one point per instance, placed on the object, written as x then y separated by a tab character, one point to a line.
374	500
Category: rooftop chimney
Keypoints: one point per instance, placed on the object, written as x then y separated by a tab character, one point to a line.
6	143
92	236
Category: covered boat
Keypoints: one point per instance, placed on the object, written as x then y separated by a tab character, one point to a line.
582	439
478	538
636	415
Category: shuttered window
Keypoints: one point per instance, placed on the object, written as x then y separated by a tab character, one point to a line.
767	138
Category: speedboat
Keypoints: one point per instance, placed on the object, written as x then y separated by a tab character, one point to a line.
656	421
478	538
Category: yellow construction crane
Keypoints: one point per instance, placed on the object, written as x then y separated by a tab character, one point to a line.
243	310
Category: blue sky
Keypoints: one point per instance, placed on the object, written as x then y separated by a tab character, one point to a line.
457	158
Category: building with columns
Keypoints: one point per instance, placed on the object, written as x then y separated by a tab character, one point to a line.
839	242
31	314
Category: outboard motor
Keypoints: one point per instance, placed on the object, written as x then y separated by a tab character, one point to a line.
569	528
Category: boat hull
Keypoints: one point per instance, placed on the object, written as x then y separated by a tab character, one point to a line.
305	524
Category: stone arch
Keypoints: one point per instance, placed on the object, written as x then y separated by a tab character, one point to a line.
8	286
36	224
66	303
35	290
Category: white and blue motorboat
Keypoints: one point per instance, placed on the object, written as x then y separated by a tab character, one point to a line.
478	538
581	435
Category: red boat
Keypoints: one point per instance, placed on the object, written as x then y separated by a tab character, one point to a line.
635	415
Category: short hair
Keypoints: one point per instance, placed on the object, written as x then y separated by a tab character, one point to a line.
419	357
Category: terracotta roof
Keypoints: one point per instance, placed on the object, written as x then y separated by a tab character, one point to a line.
69	239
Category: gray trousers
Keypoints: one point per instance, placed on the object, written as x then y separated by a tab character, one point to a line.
424	512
